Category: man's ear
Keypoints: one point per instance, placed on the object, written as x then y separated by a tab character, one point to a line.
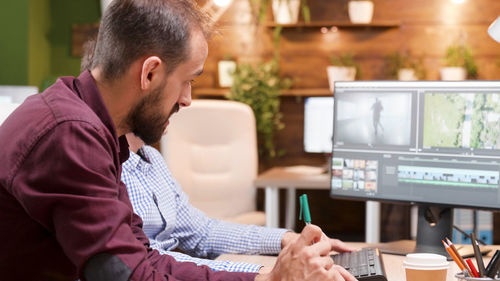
150	72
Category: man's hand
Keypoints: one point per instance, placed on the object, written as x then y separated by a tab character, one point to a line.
337	245
288	238
307	258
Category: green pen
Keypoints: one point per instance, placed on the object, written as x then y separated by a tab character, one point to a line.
304	209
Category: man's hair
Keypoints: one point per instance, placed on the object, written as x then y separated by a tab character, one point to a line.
88	54
131	29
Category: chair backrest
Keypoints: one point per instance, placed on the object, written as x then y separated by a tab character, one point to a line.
16	94
6	109
211	149
11	97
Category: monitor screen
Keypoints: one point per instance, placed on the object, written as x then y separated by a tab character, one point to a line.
435	143
425	142
318	123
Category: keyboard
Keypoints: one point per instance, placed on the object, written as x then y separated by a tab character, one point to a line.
365	265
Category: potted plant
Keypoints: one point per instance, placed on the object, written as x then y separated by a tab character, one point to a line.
402	66
360	11
259	87
284	11
343	68
459	63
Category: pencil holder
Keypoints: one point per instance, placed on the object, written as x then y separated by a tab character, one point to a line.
461	277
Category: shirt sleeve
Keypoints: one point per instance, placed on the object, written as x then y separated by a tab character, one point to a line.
217	265
68	184
207	237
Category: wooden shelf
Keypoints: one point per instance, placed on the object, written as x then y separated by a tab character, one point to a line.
222	92
81	33
217	92
344	24
307	92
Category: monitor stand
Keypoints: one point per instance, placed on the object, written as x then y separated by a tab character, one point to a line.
434	225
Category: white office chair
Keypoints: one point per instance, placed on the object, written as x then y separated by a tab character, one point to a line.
6	109
11	97
211	149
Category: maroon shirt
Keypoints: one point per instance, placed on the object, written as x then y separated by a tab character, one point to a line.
61	197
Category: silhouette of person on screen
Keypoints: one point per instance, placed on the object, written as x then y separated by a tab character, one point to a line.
377	108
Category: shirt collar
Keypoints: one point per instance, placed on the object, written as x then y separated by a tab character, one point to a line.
136	162
87	90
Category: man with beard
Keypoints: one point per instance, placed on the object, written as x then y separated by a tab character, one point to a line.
64	212
171	222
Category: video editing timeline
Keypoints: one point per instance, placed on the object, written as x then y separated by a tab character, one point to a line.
427	143
441	176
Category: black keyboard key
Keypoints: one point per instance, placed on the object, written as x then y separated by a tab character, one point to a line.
363	271
365	265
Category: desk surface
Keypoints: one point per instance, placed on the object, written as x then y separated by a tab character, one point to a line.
393	264
303	177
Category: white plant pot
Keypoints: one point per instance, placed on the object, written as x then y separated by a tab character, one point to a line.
360	11
286	11
340	73
407	74
453	73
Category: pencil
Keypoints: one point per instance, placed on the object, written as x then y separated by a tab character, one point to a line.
477	254
472	268
453	256
454	249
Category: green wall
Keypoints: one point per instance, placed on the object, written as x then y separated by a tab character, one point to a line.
64	13
35	42
38	43
14	42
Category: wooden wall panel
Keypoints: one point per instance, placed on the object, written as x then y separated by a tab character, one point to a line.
427	28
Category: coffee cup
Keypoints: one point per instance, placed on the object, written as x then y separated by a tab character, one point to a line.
424	266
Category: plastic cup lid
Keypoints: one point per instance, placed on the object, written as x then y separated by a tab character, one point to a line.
425	260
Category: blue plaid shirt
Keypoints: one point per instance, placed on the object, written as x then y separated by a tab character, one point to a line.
171	222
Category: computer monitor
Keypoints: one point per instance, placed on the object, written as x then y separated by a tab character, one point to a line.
318	123
433	143
11	97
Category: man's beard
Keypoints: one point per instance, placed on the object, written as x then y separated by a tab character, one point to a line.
146	119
